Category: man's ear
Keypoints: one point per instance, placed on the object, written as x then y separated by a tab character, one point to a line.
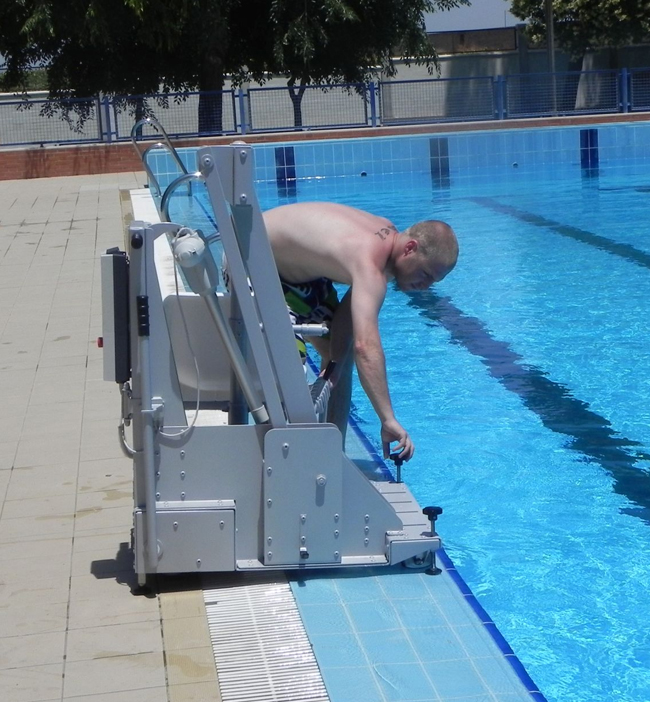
410	247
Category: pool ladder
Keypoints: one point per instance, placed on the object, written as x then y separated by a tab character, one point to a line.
185	177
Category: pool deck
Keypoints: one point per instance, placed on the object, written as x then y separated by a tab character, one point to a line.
70	627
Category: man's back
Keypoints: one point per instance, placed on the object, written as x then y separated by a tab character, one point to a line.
321	239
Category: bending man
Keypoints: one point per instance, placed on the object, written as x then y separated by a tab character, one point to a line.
317	243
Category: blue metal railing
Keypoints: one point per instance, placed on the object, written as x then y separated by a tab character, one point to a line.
36	120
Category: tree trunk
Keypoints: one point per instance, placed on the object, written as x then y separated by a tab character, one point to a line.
211	95
296	99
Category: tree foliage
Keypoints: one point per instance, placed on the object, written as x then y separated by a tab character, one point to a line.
135	47
585	25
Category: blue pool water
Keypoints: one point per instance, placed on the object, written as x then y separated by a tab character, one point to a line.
524	380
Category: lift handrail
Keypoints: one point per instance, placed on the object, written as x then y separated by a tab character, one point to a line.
166	143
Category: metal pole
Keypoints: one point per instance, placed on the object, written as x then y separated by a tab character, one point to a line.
550	48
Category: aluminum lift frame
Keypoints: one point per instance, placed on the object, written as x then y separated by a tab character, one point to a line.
275	493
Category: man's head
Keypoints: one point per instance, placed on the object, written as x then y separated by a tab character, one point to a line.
424	254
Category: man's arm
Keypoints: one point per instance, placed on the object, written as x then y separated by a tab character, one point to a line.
368	292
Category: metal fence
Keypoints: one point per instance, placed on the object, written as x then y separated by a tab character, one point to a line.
640	89
579	92
182	114
36	120
319	107
441	100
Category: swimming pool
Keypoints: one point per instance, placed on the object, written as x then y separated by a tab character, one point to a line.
525	382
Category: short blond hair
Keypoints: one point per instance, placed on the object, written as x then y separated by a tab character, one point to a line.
436	239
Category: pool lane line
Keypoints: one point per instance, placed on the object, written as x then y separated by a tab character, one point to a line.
625	251
591	434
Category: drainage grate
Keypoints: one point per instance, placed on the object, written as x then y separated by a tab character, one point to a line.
260	646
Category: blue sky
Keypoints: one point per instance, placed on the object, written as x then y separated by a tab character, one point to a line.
482	14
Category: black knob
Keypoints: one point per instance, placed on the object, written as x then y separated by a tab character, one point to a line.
430	512
137	240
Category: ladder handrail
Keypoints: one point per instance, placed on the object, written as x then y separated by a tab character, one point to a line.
169	190
166	143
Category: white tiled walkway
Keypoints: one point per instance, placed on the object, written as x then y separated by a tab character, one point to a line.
69	626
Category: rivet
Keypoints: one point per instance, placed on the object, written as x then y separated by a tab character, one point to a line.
182	495
269	503
366	541
367	517
336	533
336	555
269	541
269	555
182	454
243	197
175	525
222	524
182	474
303	539
157	474
366	529
336	517
198	562
157	495
303	518
269	470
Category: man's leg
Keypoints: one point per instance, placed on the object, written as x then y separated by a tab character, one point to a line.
341	352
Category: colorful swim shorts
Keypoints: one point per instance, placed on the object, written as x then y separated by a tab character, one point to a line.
313	302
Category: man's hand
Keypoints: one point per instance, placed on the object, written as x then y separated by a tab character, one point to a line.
392	431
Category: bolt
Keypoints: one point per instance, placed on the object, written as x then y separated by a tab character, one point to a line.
321	480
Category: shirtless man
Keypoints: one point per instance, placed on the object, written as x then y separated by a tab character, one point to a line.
321	240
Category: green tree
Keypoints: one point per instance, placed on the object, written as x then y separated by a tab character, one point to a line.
136	47
331	41
587	25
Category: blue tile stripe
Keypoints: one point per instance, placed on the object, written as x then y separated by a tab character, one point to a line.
625	251
589	149
491	628
592	434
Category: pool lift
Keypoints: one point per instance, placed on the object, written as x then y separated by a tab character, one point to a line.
271	487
